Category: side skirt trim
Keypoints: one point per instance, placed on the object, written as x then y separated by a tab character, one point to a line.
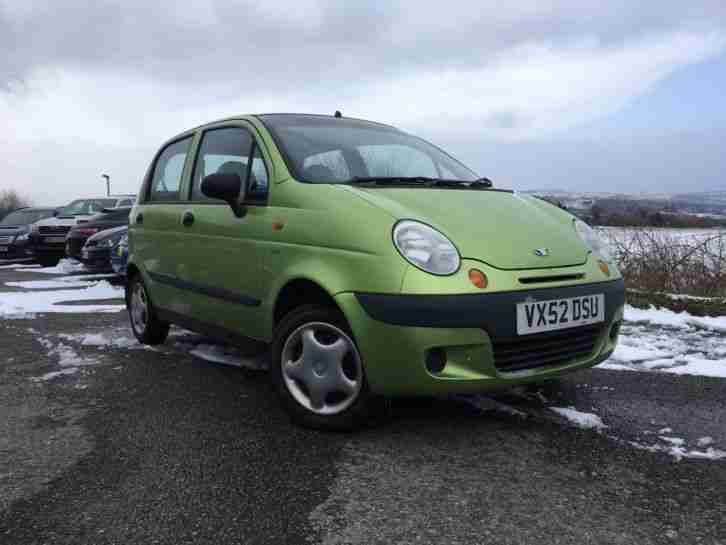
203	289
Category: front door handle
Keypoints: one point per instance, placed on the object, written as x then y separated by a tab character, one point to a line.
139	219
187	219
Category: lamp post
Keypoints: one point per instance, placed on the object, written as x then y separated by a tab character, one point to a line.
108	184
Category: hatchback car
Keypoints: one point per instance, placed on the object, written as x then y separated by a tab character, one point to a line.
370	262
97	251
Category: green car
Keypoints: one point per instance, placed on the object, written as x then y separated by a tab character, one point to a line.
366	261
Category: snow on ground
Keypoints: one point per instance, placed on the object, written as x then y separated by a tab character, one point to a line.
665	317
25	304
65	266
50	284
586	421
660	340
103	340
18	265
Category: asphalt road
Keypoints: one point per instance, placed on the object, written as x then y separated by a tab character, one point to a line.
144	446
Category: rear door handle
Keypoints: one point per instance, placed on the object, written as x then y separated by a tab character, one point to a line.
187	219
139	219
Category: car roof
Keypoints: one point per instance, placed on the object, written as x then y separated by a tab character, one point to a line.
261	117
36	208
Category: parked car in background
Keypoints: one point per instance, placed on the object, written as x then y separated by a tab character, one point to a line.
369	262
96	253
120	255
108	218
15	230
48	237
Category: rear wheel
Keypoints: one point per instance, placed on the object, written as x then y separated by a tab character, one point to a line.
147	328
318	372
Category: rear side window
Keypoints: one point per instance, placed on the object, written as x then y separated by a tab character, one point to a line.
224	150
166	182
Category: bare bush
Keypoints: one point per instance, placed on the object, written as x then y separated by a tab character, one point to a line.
10	200
667	261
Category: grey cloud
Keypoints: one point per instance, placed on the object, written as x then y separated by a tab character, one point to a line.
343	40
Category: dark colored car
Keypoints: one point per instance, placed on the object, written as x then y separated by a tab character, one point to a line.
108	218
120	255
15	229
96	253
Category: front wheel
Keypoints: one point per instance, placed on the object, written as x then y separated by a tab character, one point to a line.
147	328
318	372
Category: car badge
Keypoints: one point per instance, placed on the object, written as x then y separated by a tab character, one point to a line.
542	252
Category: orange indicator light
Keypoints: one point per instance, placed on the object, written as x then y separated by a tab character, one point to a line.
604	267
478	278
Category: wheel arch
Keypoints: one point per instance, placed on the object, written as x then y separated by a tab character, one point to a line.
297	292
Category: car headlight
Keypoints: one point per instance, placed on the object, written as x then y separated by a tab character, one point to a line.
124	241
426	248
592	240
22	238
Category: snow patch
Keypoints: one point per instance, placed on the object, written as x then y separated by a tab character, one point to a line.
665	317
25	304
583	420
101	340
54	374
65	266
48	284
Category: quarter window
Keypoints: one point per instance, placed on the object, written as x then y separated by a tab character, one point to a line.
168	171
224	150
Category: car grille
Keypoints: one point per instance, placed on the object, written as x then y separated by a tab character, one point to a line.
54	229
6	239
545	349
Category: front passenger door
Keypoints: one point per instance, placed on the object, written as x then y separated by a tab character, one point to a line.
223	258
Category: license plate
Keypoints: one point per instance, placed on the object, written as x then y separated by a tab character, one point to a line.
541	316
54	239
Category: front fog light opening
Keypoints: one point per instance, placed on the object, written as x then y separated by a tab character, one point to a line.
435	360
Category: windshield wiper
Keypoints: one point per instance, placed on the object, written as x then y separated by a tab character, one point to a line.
481	183
390	180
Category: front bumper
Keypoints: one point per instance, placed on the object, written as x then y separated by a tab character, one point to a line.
96	258
15	251
396	333
39	247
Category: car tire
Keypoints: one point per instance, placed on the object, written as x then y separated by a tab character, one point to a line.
46	261
333	361
145	324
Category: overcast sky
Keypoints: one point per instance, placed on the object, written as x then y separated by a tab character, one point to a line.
612	95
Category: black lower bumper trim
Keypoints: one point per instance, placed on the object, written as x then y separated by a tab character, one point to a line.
494	312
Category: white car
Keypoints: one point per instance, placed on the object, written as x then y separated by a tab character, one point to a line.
48	237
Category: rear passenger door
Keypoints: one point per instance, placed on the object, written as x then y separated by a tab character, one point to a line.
156	238
224	258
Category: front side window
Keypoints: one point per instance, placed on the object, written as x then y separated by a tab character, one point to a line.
224	150
86	207
168	171
320	149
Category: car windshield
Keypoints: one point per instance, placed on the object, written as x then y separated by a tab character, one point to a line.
86	207
321	149
25	217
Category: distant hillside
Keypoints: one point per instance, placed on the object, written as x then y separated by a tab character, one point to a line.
705	209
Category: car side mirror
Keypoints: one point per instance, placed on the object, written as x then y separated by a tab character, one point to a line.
228	187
